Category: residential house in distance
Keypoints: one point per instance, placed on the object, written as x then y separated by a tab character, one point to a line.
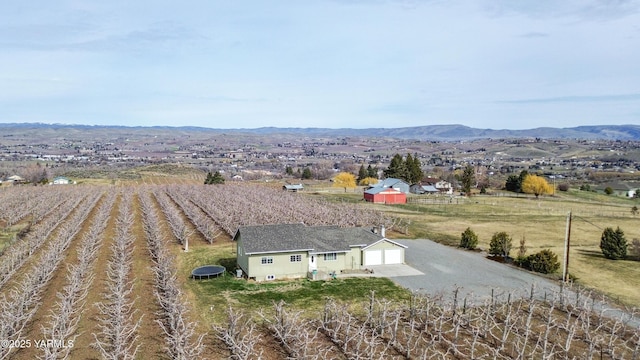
61	180
443	187
15	179
423	189
293	187
287	251
387	191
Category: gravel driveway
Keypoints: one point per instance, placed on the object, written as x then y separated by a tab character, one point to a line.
446	268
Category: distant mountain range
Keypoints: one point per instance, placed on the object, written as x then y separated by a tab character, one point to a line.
428	132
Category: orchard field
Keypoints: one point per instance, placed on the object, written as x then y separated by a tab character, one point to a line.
101	271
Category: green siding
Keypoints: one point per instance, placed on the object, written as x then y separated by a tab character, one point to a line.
282	267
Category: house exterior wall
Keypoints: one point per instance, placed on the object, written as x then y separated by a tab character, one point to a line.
281	267
241	257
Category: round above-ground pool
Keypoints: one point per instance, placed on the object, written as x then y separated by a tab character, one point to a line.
208	271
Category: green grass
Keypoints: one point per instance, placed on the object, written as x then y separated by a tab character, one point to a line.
251	296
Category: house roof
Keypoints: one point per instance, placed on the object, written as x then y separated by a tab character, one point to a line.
429	188
298	237
294	186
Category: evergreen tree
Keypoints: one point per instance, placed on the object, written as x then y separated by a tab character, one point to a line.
500	244
469	239
545	262
306	173
613	244
289	170
513	183
396	168
215	178
467	179
372	172
415	170
362	173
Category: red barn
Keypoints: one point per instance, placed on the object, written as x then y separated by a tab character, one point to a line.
385	196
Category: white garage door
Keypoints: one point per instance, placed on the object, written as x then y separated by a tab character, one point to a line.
393	256
373	257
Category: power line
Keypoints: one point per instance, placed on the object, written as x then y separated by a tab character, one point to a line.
587	221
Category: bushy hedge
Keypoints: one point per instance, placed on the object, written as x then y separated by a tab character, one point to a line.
545	262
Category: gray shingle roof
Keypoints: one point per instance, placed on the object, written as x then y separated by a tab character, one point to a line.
298	237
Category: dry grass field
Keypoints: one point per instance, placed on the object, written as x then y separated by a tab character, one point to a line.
541	223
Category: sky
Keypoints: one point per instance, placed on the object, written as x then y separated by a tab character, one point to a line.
491	64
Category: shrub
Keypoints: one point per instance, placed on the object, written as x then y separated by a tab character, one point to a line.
544	262
608	190
563	187
500	244
613	244
469	239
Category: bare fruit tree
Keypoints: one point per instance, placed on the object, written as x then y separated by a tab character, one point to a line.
181	340
118	321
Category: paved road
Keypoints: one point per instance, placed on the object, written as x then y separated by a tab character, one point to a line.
445	268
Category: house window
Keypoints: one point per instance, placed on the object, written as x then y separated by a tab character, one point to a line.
295	258
266	260
330	256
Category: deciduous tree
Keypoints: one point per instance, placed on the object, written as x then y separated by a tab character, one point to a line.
345	180
368	181
536	185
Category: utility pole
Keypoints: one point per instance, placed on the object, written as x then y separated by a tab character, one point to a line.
565	268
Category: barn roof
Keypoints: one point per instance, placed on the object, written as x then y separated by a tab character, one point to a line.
378	190
389	183
298	237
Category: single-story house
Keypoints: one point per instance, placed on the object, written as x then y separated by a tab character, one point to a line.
293	187
380	195
61	180
424	189
15	179
268	252
444	187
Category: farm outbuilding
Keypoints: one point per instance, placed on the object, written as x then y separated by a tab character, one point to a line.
385	196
